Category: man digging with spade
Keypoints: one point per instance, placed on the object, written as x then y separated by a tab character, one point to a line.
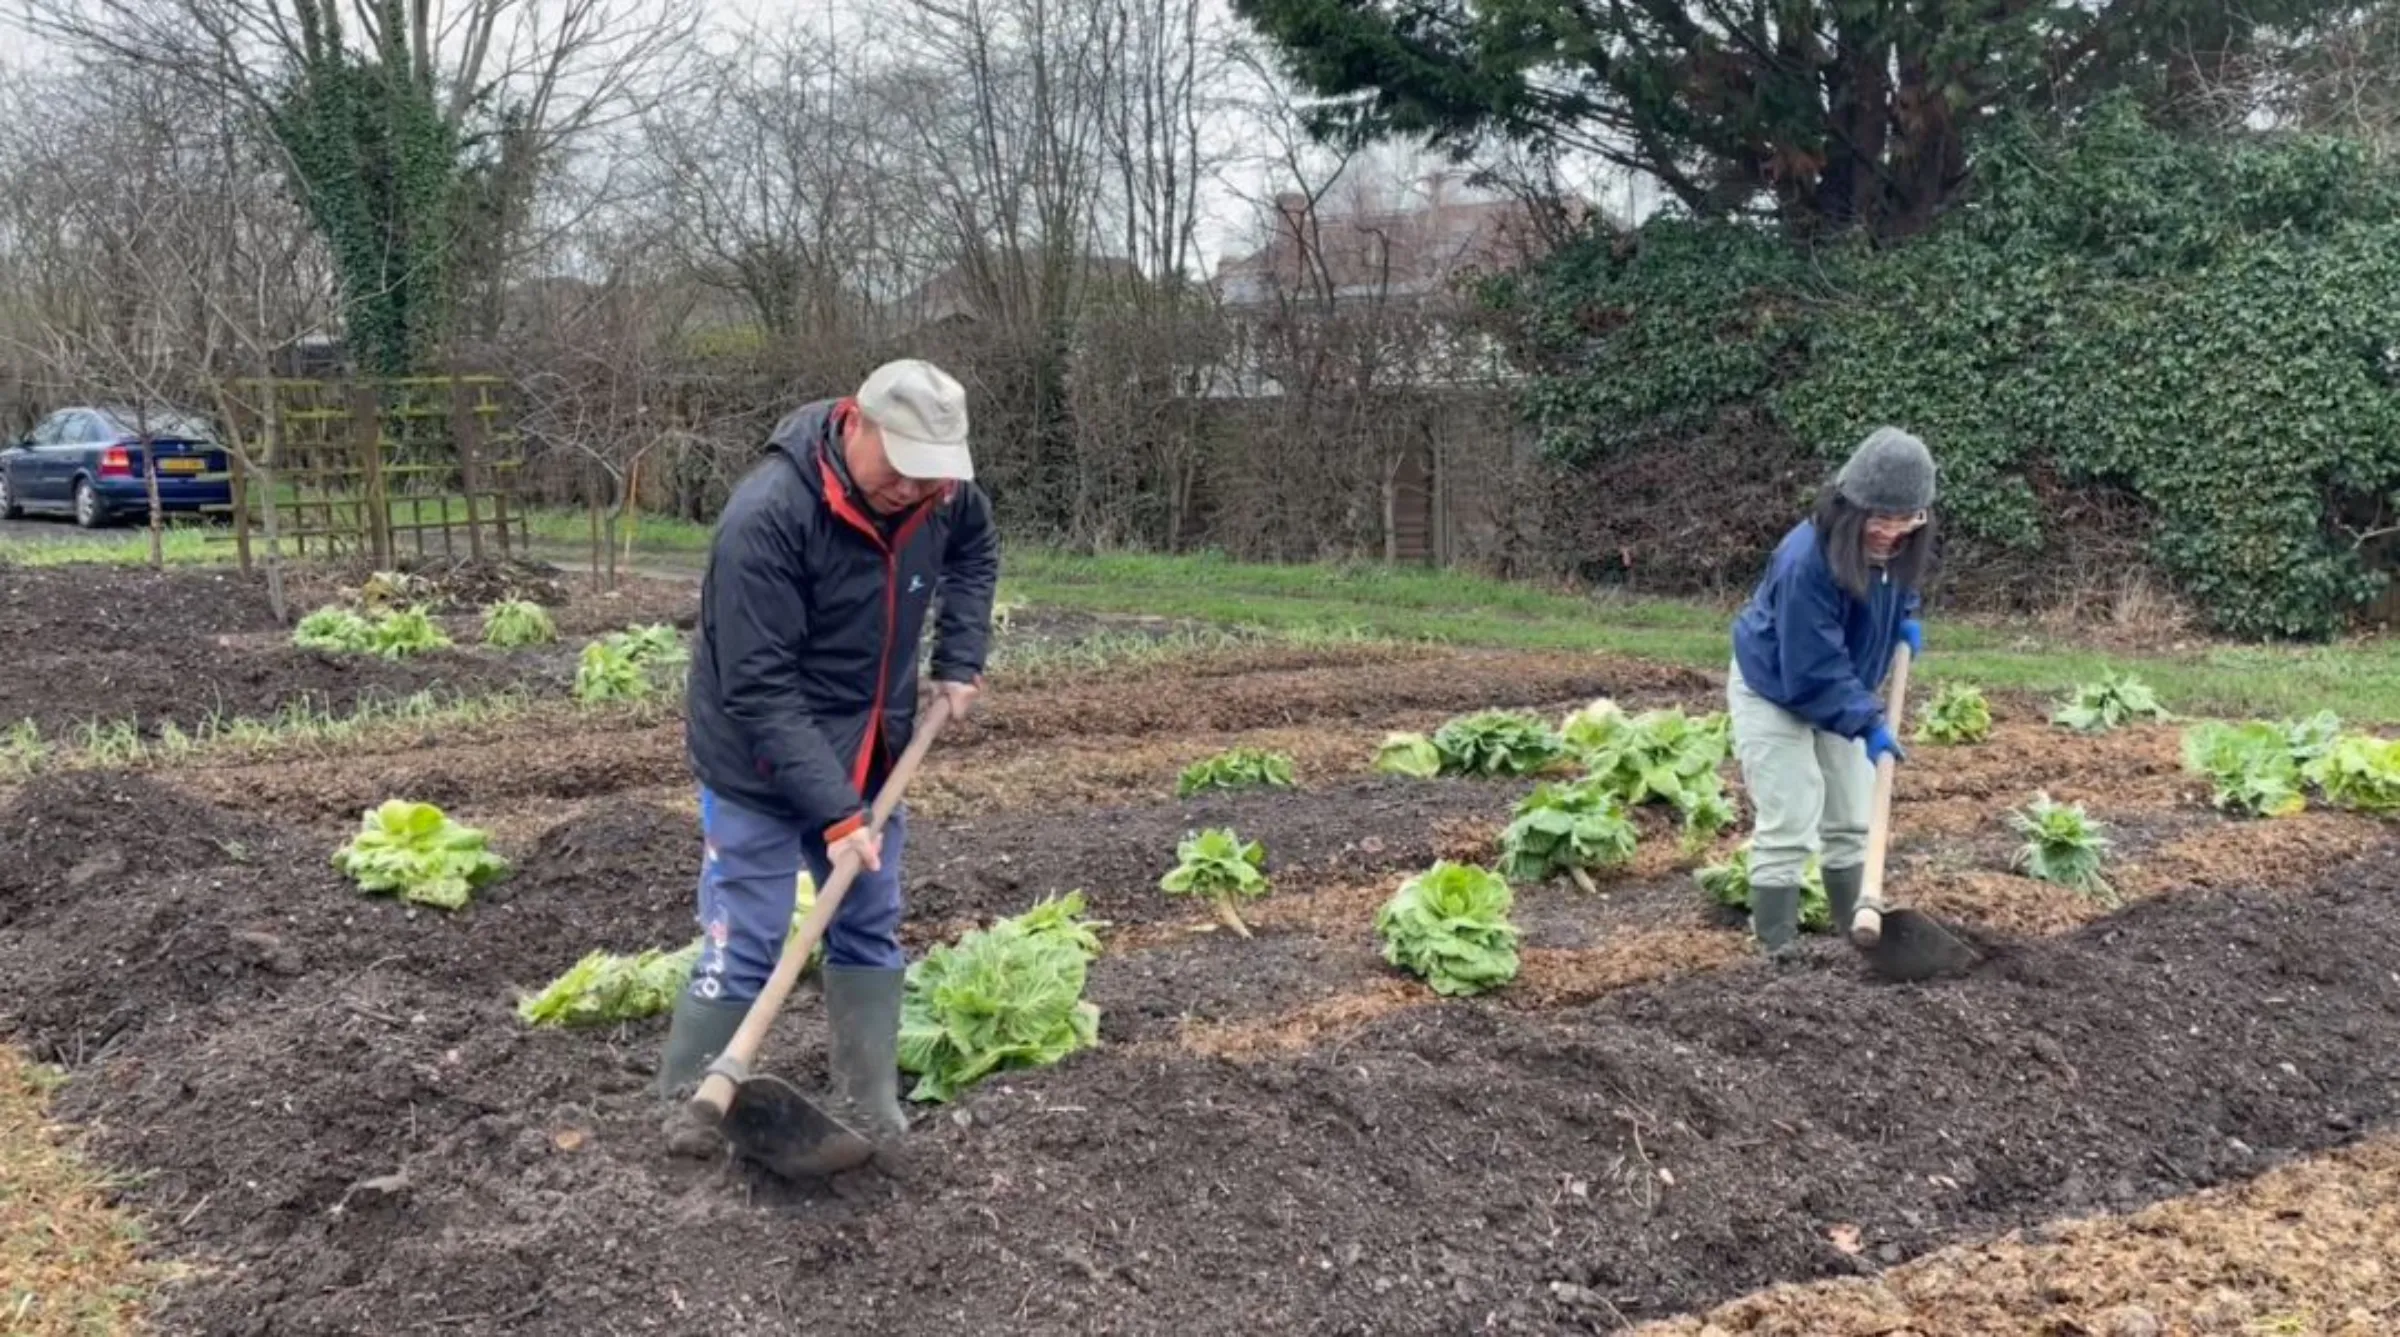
803	691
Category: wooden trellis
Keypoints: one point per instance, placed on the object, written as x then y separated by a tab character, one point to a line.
378	468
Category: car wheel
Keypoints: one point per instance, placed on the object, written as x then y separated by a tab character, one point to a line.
9	509
88	514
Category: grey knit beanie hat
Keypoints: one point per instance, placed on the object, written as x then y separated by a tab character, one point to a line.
1891	472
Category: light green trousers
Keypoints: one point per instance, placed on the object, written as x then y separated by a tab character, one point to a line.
1812	789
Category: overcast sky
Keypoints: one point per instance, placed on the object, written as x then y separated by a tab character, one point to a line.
1229	221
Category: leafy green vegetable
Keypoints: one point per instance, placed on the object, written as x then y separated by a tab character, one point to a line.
1006	997
1449	925
1238	768
2063	846
405	632
1496	742
1589	729
391	633
1707	811
629	665
2313	737
1728	884
2359	771
1567	829
1220	868
511	623
602	988
1409	754
417	851
1659	756
1958	714
335	629
2116	700
2253	765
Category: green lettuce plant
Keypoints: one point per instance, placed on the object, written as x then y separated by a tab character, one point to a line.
415	850
1449	926
1006	997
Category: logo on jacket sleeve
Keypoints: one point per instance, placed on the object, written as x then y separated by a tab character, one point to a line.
916	583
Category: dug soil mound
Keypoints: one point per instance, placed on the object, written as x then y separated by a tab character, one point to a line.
219	910
371	1141
189	683
567	764
85	834
86	609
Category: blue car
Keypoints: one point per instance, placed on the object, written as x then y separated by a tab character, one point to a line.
88	463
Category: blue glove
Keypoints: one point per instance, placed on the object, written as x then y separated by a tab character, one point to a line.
1880	742
1913	632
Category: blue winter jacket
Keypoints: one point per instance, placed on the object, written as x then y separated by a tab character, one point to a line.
1804	643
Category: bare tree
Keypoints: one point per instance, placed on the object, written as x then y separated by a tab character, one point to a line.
412	129
769	182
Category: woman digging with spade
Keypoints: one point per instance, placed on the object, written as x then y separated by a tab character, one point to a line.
1841	591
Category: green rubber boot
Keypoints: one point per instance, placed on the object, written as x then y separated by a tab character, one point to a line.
699	1032
863	1004
1775	918
1842	886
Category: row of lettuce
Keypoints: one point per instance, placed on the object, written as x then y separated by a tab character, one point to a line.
1011	995
626	665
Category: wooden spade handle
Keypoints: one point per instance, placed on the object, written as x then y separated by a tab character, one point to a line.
1866	923
716	1088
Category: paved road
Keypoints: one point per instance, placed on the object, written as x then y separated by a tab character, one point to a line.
46	530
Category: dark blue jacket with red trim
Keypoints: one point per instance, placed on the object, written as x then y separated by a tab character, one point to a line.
803	683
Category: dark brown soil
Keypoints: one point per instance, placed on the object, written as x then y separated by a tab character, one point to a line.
565	765
195	906
100	643
340	1119
970	867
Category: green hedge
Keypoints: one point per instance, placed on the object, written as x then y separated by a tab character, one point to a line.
2207	325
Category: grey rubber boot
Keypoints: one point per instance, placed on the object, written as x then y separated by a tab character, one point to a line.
1775	917
699	1032
863	1004
1842	886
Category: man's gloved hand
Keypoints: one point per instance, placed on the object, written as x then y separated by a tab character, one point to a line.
1880	742
1913	633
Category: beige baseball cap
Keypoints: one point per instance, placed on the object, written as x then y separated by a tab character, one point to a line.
922	413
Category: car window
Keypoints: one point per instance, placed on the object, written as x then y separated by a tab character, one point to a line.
52	429
164	422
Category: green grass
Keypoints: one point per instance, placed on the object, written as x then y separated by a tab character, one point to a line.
25	751
566	535
2358	679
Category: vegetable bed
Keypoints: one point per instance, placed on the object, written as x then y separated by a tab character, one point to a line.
342	1117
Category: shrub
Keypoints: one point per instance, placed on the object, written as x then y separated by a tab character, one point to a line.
2198	321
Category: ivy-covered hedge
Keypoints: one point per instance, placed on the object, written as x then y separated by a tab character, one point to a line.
2210	326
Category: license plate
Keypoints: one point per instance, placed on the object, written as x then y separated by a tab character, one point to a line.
182	465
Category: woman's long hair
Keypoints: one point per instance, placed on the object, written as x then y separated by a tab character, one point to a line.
1842	530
